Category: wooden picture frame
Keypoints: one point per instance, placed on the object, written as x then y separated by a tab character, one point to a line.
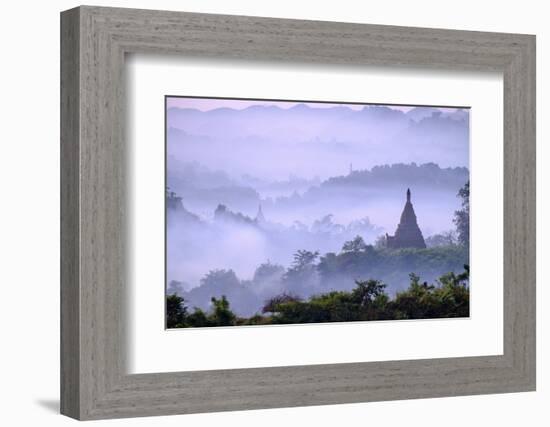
94	382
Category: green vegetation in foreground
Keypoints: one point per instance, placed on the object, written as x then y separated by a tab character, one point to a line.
448	297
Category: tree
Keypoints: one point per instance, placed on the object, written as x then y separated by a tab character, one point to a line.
197	319
302	276
448	297
175	311
222	315
326	225
303	260
355	245
462	216
272	304
267	272
366	291
446	238
175	287
220	280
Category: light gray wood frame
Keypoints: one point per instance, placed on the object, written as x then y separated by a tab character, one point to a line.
94	41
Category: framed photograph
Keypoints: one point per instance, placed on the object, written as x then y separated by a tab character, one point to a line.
255	239
261	213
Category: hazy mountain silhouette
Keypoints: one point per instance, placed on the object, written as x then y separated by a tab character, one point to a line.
316	141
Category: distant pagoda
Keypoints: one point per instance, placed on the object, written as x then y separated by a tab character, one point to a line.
260	219
408	234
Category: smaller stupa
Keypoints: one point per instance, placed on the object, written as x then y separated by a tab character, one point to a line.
260	219
408	234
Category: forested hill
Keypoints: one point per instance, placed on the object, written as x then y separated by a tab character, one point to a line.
203	189
379	193
425	175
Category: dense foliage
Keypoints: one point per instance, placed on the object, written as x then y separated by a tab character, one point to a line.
391	266
311	274
324	287
462	216
447	297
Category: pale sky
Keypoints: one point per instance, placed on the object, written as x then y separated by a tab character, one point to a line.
206	104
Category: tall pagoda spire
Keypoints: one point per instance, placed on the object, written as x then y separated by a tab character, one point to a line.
408	234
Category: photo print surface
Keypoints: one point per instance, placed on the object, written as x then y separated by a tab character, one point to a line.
291	212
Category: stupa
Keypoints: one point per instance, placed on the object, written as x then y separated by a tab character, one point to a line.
260	219
408	234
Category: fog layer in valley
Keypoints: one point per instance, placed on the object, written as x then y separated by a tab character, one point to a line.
250	187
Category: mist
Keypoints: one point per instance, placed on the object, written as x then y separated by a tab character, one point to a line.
275	143
250	188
